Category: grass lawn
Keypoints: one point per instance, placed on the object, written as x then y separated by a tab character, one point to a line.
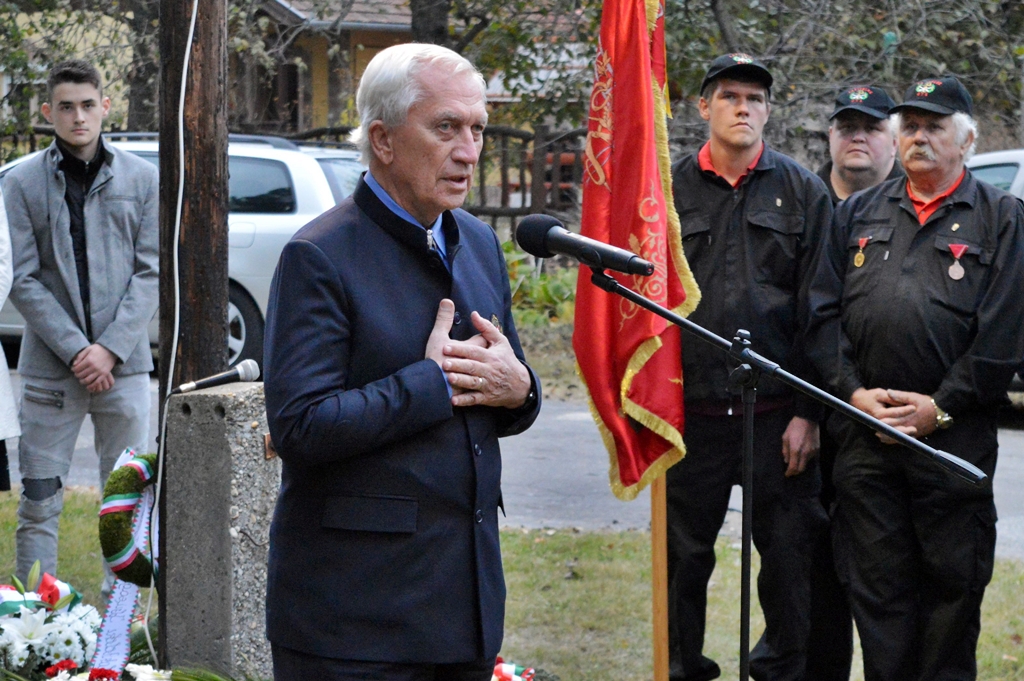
579	603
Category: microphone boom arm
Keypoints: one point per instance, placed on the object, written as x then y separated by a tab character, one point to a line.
745	355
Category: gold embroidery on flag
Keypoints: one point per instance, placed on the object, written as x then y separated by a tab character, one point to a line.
599	138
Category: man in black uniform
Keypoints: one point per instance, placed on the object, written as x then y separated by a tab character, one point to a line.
861	142
917	293
751	221
862	147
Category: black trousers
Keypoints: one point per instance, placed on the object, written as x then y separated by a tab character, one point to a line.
292	665
915	548
787	521
830	647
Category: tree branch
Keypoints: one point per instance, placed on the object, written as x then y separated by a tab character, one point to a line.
471	34
725	26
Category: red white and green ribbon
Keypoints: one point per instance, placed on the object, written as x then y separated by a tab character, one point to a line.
506	671
114	641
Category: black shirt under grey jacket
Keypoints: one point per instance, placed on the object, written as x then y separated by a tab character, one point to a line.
79	177
750	250
900	321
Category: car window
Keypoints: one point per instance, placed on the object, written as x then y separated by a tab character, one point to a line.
151	156
1000	176
342	174
258	185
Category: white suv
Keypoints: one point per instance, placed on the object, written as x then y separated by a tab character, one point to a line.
275	187
1005	170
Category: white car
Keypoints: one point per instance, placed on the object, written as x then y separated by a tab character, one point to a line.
1004	170
274	188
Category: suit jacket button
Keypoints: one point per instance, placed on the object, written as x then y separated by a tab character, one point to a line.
477	450
479	516
458	317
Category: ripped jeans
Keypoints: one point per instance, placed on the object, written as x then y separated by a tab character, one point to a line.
52	411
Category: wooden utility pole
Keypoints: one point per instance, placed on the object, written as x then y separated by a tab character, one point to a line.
203	238
202	243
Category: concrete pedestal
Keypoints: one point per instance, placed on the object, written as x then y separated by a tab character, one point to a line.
219	493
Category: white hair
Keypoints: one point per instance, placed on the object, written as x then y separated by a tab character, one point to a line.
389	86
962	122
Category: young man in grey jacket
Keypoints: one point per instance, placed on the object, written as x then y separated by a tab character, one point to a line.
84	230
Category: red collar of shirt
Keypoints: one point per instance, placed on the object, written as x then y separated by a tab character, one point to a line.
704	160
925	209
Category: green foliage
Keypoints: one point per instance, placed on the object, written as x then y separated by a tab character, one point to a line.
544	52
539	297
815	47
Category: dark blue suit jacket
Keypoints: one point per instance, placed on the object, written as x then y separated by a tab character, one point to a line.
384	543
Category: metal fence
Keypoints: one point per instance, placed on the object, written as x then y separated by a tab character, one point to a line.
520	171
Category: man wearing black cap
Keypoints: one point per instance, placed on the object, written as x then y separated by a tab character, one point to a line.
917	293
861	142
862	146
751	219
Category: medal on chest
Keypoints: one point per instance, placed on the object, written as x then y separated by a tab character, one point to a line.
858	260
956	270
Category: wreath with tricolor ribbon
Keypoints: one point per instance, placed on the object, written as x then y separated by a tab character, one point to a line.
126	516
121	497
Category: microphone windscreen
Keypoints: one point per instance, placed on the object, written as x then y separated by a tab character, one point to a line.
248	370
532	233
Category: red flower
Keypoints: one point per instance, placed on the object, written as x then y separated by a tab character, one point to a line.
63	665
96	674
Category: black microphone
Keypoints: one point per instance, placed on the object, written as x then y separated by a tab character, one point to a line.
245	371
544	236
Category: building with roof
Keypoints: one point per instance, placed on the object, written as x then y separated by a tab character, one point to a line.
315	81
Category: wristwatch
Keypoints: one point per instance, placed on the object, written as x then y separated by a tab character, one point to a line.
942	419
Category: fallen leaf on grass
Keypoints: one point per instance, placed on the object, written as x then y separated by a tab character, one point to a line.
1009	658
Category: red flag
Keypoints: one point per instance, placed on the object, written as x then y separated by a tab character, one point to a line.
630	359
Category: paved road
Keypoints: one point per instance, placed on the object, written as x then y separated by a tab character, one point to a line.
556	475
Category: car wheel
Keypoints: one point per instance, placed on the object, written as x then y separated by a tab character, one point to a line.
245	328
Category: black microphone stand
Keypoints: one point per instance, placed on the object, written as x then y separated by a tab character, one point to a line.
745	377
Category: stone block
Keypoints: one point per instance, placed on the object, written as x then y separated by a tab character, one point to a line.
219	494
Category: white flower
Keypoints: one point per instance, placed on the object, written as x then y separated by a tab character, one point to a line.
17	653
88	615
30	628
144	672
66	676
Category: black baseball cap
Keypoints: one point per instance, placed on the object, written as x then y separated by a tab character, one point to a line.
945	95
873	101
738	65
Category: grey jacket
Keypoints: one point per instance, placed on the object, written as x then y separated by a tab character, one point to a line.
122	246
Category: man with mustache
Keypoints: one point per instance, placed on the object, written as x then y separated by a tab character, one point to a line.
917	294
751	220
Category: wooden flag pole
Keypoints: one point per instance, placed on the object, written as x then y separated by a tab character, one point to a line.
659	578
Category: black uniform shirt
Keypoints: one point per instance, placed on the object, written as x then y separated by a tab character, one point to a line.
750	249
900	320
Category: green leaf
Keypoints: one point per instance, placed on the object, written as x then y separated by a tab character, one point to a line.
62	602
33	576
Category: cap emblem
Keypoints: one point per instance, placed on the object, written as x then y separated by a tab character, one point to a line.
859	94
926	87
741	58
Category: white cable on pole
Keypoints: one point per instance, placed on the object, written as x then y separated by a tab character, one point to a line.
161	445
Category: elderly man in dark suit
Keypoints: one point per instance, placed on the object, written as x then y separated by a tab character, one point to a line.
392	367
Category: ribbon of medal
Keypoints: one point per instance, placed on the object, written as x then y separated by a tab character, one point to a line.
858	260
956	270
